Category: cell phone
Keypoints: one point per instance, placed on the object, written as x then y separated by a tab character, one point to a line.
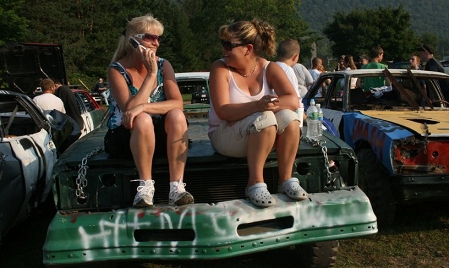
135	44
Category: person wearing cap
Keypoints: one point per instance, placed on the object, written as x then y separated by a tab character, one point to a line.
363	59
426	55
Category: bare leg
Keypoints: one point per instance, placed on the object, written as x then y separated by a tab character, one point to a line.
176	129
258	147
142	145
286	147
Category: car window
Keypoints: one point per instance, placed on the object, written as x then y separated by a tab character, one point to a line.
405	93
84	102
15	117
328	90
189	86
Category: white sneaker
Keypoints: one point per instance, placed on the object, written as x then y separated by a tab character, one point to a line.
178	194
145	193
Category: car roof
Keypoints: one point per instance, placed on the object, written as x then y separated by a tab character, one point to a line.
192	75
392	71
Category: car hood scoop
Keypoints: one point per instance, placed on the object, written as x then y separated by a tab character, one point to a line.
23	65
436	122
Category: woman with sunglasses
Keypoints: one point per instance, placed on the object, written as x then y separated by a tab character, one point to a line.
253	108
146	111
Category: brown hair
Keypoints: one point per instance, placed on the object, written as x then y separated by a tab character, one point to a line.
46	84
375	52
256	32
287	49
349	61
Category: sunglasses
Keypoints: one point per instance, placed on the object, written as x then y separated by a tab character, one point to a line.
148	37
228	46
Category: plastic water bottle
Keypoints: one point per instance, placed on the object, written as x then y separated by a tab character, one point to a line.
312	121
320	120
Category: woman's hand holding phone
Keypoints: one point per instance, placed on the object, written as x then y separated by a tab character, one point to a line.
148	56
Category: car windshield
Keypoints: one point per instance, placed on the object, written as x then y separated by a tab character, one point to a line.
400	91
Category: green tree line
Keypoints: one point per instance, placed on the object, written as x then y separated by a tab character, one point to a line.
428	19
89	29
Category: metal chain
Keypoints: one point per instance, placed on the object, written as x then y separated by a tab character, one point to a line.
81	181
322	144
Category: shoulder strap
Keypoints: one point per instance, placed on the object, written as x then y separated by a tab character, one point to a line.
160	72
123	71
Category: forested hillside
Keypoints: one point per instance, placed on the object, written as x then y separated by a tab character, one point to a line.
427	16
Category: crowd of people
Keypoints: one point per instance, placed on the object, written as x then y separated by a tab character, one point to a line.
255	103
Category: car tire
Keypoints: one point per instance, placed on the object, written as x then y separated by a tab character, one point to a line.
374	181
317	255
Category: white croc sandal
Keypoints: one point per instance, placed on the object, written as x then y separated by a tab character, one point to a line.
259	195
292	189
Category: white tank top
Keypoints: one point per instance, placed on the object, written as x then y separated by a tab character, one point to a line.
236	95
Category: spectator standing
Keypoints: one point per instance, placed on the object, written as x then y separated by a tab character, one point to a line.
245	118
415	62
146	119
376	55
363	59
426	55
70	105
47	100
305	79
288	55
315	72
341	63
349	63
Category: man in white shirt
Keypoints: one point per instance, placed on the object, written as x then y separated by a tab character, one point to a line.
47	100
304	78
288	55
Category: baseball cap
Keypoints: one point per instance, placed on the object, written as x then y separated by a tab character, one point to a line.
427	48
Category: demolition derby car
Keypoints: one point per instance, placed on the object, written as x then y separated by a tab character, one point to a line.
96	222
399	131
31	140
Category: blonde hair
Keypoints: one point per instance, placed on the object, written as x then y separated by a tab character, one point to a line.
256	32
137	25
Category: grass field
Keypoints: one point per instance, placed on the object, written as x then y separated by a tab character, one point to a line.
419	238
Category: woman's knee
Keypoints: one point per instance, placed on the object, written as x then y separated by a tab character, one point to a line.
143	123
287	120
175	118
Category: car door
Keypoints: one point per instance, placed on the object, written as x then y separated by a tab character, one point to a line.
27	157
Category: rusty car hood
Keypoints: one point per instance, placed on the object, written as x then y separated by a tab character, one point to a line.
437	121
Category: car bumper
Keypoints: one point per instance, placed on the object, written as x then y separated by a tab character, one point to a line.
416	188
206	231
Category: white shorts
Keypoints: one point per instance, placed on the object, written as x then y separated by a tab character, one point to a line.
231	140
